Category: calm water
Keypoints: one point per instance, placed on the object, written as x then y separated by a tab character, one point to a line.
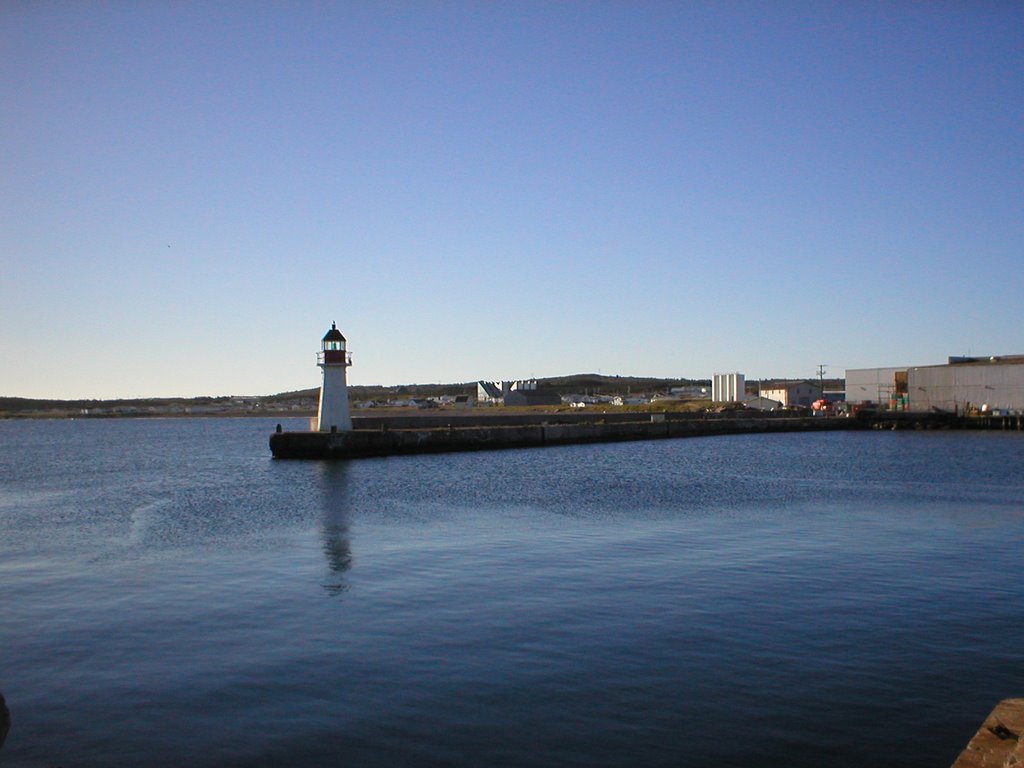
169	595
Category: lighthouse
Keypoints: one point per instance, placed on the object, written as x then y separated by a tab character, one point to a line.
333	359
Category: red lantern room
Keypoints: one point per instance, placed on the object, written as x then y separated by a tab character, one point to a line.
333	348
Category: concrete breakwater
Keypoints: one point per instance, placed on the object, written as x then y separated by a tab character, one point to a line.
386	439
999	741
442	433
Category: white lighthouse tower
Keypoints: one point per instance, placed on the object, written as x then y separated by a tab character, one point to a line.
333	359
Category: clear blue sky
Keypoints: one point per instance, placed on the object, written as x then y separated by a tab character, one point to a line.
191	192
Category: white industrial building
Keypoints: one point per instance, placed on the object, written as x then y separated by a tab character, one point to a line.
961	385
791	393
871	385
515	393
728	388
493	392
964	384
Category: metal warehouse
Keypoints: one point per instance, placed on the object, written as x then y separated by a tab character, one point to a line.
872	385
965	384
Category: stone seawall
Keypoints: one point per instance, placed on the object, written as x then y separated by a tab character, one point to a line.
999	742
496	418
388	441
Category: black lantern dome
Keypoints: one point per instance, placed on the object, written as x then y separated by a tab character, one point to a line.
334	335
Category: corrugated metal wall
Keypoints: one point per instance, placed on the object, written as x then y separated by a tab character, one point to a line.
874	385
960	387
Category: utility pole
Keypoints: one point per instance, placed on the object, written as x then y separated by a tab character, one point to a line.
821	378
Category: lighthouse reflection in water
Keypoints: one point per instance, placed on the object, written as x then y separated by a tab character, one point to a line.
337	512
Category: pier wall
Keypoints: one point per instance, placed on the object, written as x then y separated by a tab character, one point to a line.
999	741
447	433
388	441
435	419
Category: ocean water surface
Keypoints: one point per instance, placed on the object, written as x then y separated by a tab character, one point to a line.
170	595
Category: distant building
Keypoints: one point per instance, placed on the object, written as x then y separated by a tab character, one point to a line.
533	397
762	403
793	393
728	388
579	401
490	392
496	391
875	386
515	393
629	400
689	392
965	384
960	385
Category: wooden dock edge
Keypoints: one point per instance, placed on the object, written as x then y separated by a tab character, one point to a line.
999	742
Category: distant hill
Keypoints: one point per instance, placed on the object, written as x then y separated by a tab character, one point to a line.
593	383
599	384
304	401
20	405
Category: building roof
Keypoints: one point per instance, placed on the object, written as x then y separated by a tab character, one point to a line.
490	389
994	360
334	334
